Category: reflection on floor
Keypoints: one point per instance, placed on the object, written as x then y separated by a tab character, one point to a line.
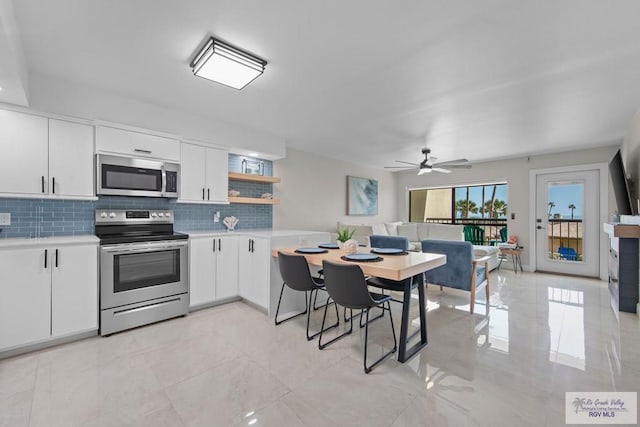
508	364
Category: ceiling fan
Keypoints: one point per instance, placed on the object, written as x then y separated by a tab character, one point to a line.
427	165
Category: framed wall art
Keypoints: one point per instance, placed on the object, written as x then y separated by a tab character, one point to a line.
362	196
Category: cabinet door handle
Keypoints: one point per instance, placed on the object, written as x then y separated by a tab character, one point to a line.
214	245
249	245
138	150
53	184
220	244
42	182
252	242
56	258
46	255
208	194
202	193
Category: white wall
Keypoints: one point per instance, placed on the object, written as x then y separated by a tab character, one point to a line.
313	192
56	96
513	171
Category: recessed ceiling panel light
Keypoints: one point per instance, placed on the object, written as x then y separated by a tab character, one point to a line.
253	154
228	65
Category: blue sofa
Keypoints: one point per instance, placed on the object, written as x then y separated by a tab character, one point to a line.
461	271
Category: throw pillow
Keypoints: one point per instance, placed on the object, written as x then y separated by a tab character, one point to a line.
392	227
380	230
410	231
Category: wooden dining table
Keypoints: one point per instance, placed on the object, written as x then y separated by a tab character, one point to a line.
392	267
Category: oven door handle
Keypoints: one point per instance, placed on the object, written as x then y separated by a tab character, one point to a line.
142	249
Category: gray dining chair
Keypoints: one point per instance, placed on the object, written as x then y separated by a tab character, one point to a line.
392	242
347	287
295	273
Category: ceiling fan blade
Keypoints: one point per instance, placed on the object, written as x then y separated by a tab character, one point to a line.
422	171
399	167
442	170
412	164
457	166
449	162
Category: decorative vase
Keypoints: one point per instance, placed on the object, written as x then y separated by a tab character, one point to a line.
349	247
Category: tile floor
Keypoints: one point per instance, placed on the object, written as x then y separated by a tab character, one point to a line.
230	365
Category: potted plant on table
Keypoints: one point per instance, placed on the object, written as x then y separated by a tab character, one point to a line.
345	240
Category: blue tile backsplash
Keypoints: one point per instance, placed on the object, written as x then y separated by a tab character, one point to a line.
46	218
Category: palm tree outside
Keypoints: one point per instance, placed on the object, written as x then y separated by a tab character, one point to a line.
465	207
496	208
551	206
572	207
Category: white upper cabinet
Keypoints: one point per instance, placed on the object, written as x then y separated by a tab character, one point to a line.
217	174
45	157
24	148
70	159
136	143
192	173
203	174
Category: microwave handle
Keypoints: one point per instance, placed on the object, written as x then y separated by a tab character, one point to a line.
139	150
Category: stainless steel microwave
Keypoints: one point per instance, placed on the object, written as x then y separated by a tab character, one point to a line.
130	176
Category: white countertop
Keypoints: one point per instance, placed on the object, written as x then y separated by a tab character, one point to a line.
13	242
266	233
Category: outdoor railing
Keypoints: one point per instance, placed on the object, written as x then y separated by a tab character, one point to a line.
491	226
564	233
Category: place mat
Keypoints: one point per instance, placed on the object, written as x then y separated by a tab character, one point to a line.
361	258
388	251
329	246
311	251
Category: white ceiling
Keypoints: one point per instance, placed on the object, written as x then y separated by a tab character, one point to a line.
365	80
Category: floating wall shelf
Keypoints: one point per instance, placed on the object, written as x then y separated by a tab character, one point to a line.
254	200
235	176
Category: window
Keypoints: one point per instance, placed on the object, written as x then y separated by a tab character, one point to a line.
481	205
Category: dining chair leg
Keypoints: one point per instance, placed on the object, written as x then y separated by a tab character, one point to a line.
346	319
368	369
335	325
371	320
306	308
321	346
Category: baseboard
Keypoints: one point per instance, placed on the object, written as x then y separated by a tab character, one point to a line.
213	303
49	342
255	306
638	309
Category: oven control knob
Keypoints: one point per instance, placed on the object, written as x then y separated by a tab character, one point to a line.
153	214
112	215
103	215
168	214
161	215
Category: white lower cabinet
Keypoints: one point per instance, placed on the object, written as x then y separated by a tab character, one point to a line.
254	256
25	306
227	267
74	289
47	292
213	273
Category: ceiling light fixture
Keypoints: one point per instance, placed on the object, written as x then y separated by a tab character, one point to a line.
228	65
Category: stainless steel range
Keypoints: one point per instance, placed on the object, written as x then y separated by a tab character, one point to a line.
144	276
